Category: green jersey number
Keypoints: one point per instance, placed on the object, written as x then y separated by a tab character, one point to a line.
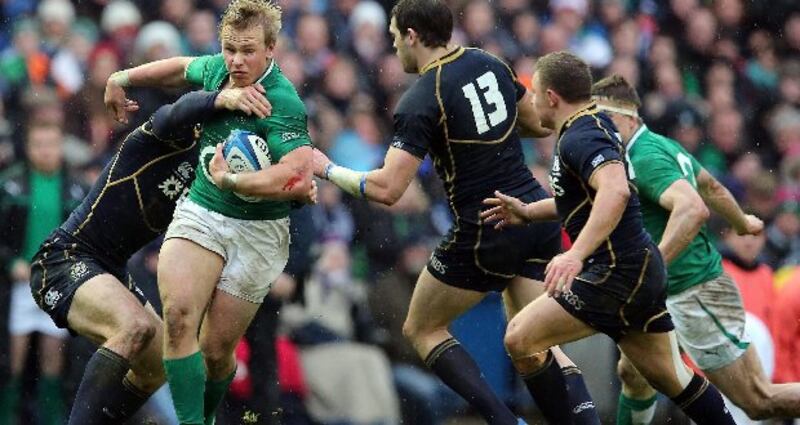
686	166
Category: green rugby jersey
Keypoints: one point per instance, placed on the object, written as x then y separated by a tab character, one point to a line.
656	162
284	131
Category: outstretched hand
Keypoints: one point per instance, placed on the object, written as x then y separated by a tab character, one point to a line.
250	100
506	210
117	102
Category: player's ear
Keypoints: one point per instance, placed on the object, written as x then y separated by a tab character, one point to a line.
412	36
552	98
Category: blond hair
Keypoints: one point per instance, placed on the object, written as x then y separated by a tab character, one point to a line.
243	14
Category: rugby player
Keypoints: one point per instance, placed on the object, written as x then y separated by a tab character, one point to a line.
676	193
612	280
230	239
464	111
79	274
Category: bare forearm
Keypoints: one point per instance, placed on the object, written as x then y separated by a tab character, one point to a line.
544	210
682	226
279	182
607	209
161	73
722	202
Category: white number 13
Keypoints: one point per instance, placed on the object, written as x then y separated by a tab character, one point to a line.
491	94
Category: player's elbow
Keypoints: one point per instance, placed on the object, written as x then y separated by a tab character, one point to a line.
388	196
699	212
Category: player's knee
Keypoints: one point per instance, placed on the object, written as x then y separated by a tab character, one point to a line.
139	331
217	354
514	341
176	321
629	375
412	329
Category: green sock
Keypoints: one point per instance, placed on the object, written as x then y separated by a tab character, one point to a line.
9	401
631	411
51	400
215	392
187	382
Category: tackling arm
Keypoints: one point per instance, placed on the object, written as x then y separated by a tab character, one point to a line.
385	185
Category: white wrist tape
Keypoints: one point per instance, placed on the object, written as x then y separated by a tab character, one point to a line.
352	182
120	78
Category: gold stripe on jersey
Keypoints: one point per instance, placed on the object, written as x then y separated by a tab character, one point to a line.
141	207
635	289
589	109
537	260
447	58
109	183
449	178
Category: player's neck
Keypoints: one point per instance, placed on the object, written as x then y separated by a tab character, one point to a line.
567	111
428	56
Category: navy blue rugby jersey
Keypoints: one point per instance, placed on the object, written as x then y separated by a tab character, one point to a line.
463	112
588	141
133	199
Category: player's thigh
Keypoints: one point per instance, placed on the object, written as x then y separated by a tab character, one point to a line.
542	324
101	307
187	276
434	304
225	322
657	358
520	292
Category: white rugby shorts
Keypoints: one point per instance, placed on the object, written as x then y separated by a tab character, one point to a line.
255	251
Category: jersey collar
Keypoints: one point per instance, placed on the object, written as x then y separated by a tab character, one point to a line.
267	72
635	136
447	58
589	109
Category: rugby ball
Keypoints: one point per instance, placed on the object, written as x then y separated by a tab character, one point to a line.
246	151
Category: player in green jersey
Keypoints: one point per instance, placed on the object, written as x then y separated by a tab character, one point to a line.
703	301
230	239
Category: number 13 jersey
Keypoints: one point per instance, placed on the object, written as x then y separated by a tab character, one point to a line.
463	111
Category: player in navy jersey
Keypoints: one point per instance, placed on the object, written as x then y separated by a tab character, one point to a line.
79	275
613	279
466	111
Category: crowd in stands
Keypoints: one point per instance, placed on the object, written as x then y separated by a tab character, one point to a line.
722	77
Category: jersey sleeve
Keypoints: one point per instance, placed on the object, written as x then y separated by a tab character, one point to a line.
656	170
199	69
586	155
171	121
415	123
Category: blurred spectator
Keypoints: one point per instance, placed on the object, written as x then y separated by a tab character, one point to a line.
35	197
783	236
332	319
120	22
332	218
200	37
787	328
312	44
